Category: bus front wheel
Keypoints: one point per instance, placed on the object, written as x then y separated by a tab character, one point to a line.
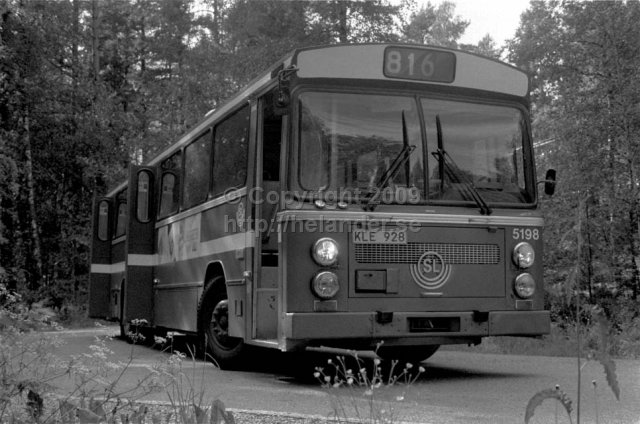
214	317
412	354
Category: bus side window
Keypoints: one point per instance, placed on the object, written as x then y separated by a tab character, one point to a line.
169	186
121	220
271	140
103	220
230	152
197	171
167	204
143	196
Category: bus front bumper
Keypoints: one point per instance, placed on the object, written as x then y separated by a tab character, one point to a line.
446	325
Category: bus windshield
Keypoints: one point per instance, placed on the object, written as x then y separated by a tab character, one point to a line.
349	141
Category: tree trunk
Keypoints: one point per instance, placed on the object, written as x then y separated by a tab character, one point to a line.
216	24
584	250
95	23
35	229
634	235
634	208
143	50
74	48
343	31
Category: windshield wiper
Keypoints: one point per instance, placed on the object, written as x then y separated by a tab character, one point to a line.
455	174
402	158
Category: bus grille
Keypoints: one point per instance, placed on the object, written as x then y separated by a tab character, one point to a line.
452	253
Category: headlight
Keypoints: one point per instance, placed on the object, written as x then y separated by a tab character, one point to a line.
523	255
325	252
325	285
524	286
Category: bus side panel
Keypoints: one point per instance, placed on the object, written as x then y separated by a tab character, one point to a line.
117	278
99	295
179	274
138	293
176	302
115	298
139	258
185	250
224	235
177	308
99	284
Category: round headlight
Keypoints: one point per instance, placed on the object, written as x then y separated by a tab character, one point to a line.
325	252
523	255
325	284
524	286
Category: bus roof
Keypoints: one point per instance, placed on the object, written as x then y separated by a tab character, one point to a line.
415	63
391	62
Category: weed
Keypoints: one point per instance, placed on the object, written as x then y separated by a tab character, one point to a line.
186	396
29	370
27	364
556	394
365	390
599	351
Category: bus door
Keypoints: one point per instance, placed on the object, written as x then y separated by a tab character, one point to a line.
267	204
137	290
100	283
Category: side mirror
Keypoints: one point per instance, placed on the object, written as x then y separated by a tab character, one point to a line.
550	182
282	96
281	101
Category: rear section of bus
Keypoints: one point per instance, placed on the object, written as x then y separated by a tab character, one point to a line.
110	218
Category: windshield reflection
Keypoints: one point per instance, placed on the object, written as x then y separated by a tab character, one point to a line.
485	141
348	141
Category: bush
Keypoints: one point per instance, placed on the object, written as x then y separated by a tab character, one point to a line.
28	368
27	363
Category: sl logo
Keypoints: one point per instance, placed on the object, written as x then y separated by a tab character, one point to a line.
431	272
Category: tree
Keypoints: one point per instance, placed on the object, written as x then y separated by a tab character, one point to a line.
353	21
438	26
89	87
584	58
486	47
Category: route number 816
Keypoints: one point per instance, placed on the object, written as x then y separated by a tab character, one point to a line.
526	234
419	64
394	64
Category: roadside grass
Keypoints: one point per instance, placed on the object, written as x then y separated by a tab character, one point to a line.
558	343
366	391
561	342
370	392
29	371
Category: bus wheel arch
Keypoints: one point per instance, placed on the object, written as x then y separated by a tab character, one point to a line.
213	323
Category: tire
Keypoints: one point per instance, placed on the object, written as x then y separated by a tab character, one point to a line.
412	354
217	345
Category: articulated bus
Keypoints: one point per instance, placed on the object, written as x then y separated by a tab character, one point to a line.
350	195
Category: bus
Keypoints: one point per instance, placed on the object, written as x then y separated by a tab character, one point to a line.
352	196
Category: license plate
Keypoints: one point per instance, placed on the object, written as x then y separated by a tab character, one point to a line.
382	236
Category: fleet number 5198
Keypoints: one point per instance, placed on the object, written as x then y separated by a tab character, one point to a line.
526	234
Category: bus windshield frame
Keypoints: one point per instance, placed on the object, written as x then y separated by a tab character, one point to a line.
476	151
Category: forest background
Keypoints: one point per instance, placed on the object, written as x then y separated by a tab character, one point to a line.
89	86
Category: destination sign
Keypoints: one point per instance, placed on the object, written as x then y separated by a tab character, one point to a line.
419	64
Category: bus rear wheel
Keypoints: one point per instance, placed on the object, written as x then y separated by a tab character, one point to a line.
214	317
411	354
